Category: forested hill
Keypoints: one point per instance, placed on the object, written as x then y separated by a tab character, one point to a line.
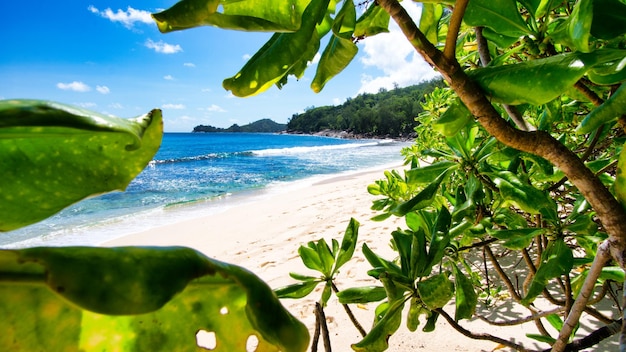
264	125
387	113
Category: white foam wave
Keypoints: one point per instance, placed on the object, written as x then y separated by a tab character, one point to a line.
305	150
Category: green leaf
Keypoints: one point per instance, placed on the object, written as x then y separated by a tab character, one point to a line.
267	15
413	315
298	290
609	111
466	298
455	118
423	199
311	258
517	239
609	17
557	260
348	244
385	326
579	26
429	22
500	15
535	82
525	196
436	291
378	262
54	155
340	50
542	338
326	257
374	20
429	173
284	53
145	299
362	294
609	73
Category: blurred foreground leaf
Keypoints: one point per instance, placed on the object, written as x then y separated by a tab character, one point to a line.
53	155
137	299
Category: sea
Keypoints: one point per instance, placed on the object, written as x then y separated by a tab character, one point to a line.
198	174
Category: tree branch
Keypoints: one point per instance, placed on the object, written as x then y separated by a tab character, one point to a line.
449	51
603	255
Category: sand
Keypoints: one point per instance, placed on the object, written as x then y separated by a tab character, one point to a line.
264	235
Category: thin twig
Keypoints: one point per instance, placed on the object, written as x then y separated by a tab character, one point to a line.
521	320
322	318
502	275
316	333
350	315
477	336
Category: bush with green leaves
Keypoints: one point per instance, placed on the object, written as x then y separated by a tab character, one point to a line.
529	160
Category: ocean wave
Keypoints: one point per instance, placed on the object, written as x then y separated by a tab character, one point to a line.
305	150
188	159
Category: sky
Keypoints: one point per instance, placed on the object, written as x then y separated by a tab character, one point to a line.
109	57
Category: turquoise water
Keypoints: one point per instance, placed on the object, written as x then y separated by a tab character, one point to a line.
196	174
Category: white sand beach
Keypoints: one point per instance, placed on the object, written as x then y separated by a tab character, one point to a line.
264	237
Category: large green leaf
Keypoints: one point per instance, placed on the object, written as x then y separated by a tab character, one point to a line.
500	15
53	155
609	17
348	244
456	117
268	15
374	20
557	259
429	21
609	111
377	339
362	294
436	291
283	54
340	50
136	299
536	82
525	196
465	295
423	199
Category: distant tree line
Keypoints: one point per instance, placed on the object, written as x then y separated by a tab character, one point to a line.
386	113
264	126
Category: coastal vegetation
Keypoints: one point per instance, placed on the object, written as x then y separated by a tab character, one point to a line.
518	159
260	126
388	113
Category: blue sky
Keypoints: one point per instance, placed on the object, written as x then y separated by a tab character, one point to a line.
109	57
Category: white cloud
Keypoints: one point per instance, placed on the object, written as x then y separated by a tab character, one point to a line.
246	57
162	47
393	54
215	108
116	106
189	64
168	77
87	105
173	106
128	18
74	86
103	89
